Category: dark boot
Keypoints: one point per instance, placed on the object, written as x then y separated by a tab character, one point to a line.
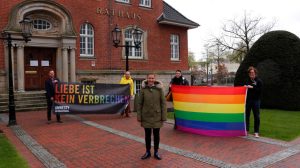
156	155
146	155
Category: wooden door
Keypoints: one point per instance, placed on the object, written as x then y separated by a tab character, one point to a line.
38	62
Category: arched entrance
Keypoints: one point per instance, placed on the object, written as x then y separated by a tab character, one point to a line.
52	45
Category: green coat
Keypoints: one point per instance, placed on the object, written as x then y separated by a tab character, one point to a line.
152	110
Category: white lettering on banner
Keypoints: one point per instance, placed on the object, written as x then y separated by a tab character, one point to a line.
62	109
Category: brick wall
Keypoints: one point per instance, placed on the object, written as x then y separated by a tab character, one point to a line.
108	57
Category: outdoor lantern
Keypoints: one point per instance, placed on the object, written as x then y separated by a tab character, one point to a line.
137	37
26	26
116	35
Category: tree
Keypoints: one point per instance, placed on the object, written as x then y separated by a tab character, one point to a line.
191	60
238	35
197	68
237	56
276	57
222	72
215	54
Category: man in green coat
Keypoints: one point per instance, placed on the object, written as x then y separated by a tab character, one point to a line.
151	112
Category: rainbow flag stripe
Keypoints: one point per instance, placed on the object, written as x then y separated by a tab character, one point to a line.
212	111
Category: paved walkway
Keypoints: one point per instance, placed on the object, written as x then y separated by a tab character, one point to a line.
92	141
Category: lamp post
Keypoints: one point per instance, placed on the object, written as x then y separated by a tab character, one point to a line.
207	64
212	76
137	36
26	25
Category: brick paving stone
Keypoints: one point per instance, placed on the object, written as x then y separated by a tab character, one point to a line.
78	142
291	162
79	145
231	150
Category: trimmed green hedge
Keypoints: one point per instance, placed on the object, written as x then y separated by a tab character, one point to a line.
276	55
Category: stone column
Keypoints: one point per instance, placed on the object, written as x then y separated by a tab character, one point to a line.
6	66
59	63
73	65
20	68
65	66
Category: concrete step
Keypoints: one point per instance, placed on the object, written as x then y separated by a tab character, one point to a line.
31	108
25	101
24	108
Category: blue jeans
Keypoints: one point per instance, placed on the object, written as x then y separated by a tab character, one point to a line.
253	105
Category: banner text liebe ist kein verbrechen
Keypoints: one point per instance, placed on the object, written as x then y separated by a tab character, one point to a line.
85	94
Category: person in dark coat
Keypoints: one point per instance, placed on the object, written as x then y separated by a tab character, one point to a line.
50	92
178	79
254	85
151	112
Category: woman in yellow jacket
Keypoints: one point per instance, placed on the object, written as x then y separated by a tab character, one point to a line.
126	79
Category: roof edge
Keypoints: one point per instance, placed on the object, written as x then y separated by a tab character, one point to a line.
163	19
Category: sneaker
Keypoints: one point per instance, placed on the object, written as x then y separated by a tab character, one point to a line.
256	135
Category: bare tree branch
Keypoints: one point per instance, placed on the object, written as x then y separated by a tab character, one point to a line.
238	35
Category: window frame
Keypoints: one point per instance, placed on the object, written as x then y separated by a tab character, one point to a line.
143	3
123	1
137	83
174	47
86	42
43	21
131	43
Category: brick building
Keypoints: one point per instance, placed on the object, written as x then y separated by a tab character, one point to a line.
73	37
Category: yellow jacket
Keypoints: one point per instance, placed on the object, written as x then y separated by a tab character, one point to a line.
127	81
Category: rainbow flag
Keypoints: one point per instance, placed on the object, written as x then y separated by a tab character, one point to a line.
212	111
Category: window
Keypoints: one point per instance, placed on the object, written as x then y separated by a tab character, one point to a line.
174	42
124	1
86	40
137	85
135	53
41	24
146	3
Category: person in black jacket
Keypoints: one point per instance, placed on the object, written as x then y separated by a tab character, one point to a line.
178	79
254	85
50	92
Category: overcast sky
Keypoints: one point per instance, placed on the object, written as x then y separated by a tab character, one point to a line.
211	14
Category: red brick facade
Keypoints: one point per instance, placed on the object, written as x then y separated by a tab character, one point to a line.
103	15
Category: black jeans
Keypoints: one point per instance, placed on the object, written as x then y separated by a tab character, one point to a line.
49	107
253	105
148	138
